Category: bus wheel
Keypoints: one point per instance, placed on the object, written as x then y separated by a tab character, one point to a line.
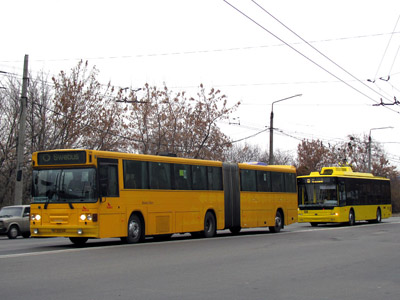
210	228
13	232
314	224
352	218
378	215
135	230
278	223
78	241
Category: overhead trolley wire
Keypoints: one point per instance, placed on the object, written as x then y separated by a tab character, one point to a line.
387	47
363	83
305	56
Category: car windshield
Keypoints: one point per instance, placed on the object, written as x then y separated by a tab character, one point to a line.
10	212
318	194
64	185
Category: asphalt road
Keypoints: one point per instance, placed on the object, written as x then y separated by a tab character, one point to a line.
301	262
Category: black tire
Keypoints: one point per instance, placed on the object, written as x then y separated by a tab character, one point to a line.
378	215
162	237
210	228
235	230
352	218
78	241
135	230
26	235
314	224
13	232
278	223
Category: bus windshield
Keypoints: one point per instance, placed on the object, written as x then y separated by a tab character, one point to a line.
64	185
318	194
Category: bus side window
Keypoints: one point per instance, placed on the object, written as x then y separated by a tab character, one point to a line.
199	177
248	180
290	182
160	175
214	178
182	177
263	181
278	182
135	174
342	194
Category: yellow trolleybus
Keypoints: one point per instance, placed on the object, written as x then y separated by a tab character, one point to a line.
82	194
338	194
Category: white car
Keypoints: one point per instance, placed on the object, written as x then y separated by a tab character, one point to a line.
14	221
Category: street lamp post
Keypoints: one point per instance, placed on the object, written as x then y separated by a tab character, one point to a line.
369	145
271	129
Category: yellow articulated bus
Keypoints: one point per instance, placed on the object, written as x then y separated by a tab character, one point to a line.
338	194
83	194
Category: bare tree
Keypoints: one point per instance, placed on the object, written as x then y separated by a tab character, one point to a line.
312	156
85	113
162	121
9	115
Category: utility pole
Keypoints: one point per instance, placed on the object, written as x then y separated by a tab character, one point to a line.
271	128
19	182
369	145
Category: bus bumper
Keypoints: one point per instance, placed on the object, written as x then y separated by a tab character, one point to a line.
64	231
320	216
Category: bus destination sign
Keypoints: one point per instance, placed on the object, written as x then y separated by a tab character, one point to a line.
62	158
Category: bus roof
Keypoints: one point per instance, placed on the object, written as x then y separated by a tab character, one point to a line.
341	172
146	157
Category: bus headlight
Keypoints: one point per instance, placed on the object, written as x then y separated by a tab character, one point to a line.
35	217
86	217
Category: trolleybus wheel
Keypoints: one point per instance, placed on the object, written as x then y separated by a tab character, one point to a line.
135	230
210	228
278	223
352	218
78	241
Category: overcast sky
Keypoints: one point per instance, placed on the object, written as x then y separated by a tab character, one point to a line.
253	59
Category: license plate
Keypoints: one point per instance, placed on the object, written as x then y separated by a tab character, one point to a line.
58	230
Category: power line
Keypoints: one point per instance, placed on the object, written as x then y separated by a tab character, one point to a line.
317	49
384	53
201	51
394	60
306	57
